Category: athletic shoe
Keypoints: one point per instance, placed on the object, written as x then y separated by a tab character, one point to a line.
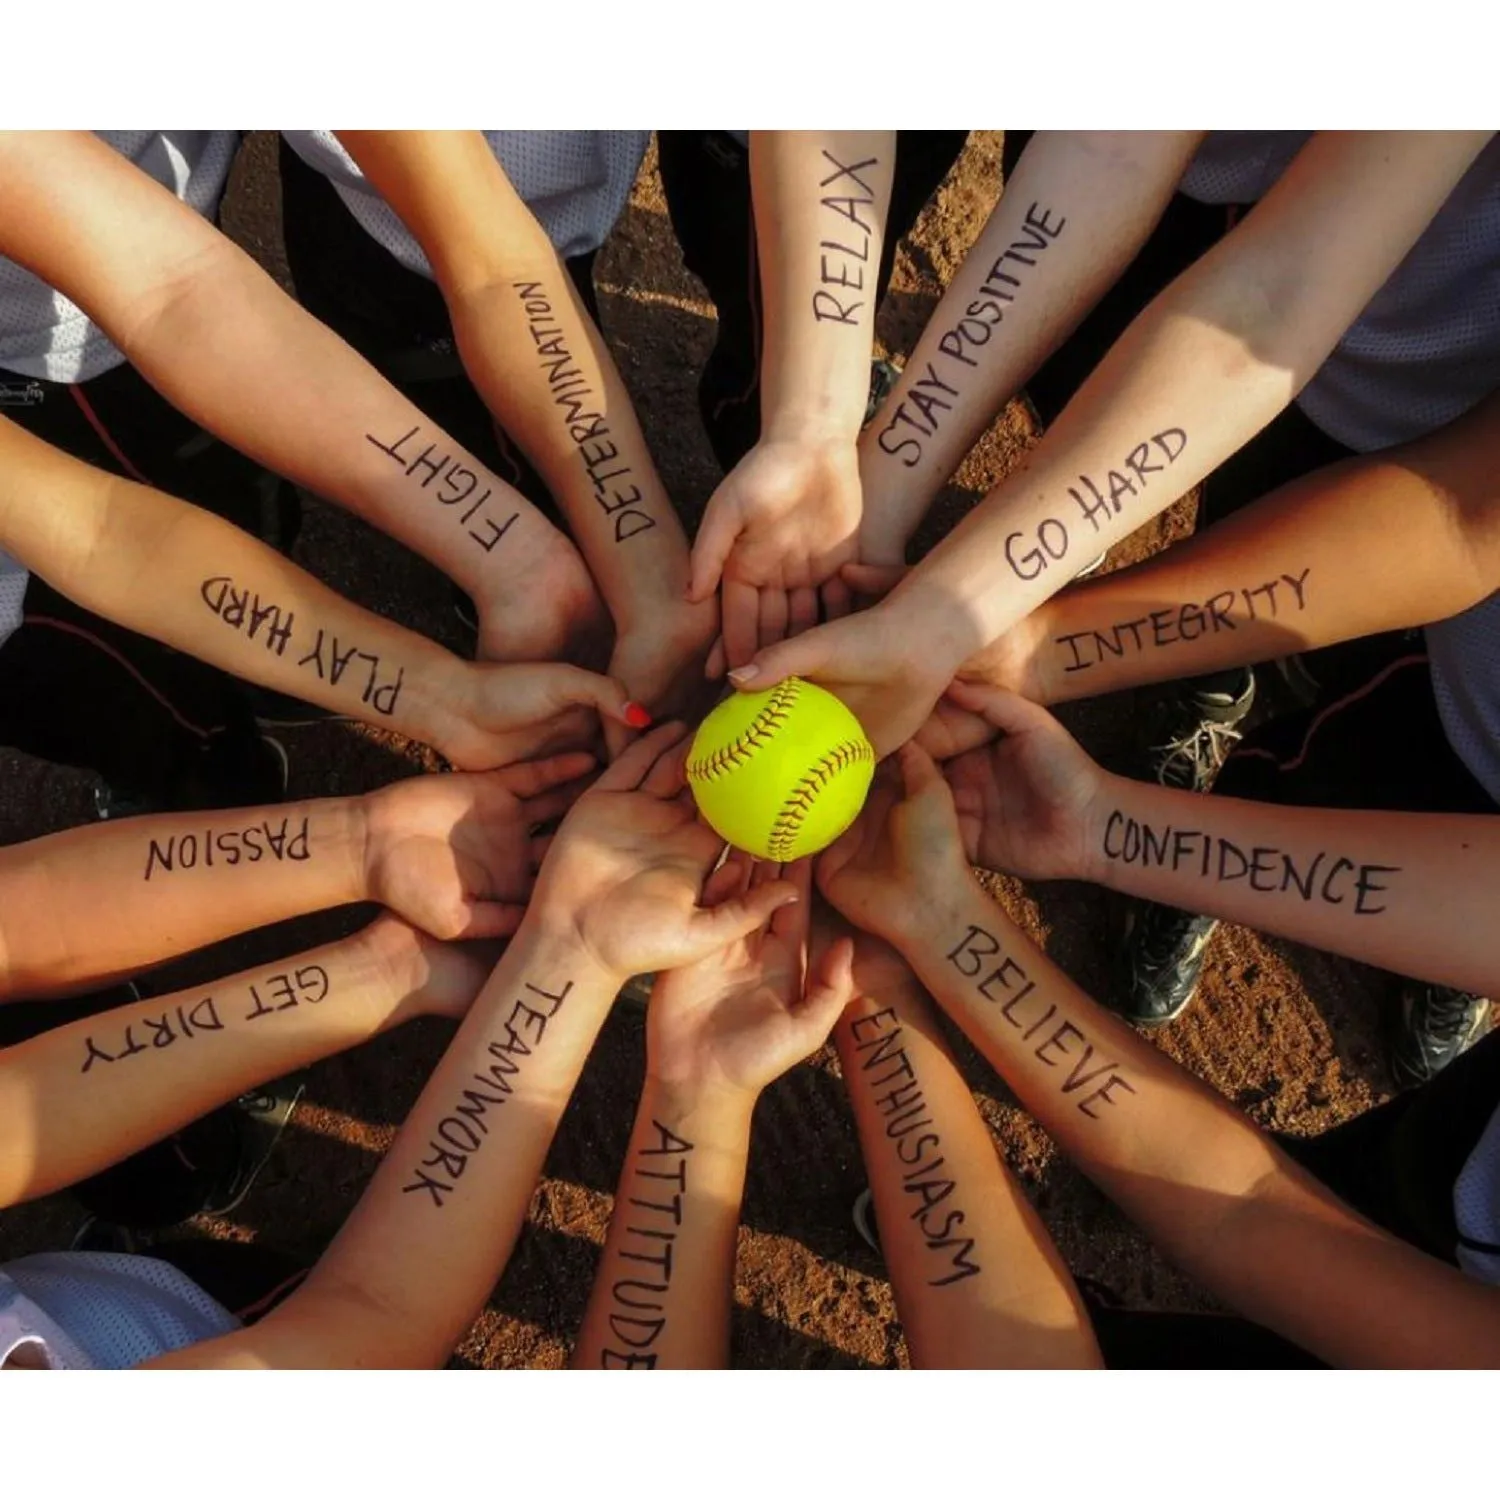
260	778
1161	962
883	378
1436	1025
637	990
260	1117
275	710
99	1236
1203	730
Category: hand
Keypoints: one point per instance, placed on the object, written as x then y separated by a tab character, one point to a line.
427	978
1030	806
738	1019
545	608
871	661
453	854
626	870
659	659
495	715
779	526
904	855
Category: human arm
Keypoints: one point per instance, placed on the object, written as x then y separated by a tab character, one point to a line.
224	344
1208	1187
1406	891
546	373
1385	542
717	1032
787	516
1207	364
978	1282
1075	211
618	894
79	1097
452	855
181	575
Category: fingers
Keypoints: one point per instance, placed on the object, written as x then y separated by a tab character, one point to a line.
738	917
950	731
716	537
635	762
732	878
919	772
773	610
566	686
531	777
489	919
1008	712
739	620
539	848
790	922
837	599
802	611
873	580
550	805
830	986
668	775
616	738
713	668
802	656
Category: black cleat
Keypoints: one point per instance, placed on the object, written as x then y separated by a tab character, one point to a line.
1162	960
1436	1025
1203	727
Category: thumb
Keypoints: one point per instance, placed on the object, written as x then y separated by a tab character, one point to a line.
1007	711
568	687
737	917
805	655
875	580
716	537
488	919
830	988
919	771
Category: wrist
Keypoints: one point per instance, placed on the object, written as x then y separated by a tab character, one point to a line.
814	420
713	1115
926	906
1106	807
937	633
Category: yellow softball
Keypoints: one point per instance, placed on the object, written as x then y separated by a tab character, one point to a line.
781	774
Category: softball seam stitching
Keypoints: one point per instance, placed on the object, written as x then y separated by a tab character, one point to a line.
800	800
761	728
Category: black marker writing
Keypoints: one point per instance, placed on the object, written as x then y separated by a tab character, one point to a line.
1099	500
615	491
1334	880
640	1314
914	1138
461	1133
331	658
1285	594
917	415
243	610
1008	986
462	490
844	260
248	844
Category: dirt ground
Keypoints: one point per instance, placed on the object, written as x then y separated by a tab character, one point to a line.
1290	1035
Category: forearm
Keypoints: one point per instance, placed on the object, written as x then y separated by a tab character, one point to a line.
412	1266
1411	892
820	200
1077	208
1199	1178
98	903
1208	364
77	1098
662	1294
184	577
978	1282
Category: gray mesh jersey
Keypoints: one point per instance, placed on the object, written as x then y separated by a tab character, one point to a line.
1425	350
576	182
84	1311
1476	1207
45	336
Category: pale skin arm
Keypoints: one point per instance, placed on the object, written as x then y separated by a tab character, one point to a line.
978	1282
545	371
1395	540
192	581
1411	892
1077	208
453	855
787	517
221	341
1213	359
1199	1178
81	1096
412	1266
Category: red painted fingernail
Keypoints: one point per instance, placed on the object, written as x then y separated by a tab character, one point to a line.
636	716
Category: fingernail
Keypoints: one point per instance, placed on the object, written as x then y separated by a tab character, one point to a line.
636	716
747	673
